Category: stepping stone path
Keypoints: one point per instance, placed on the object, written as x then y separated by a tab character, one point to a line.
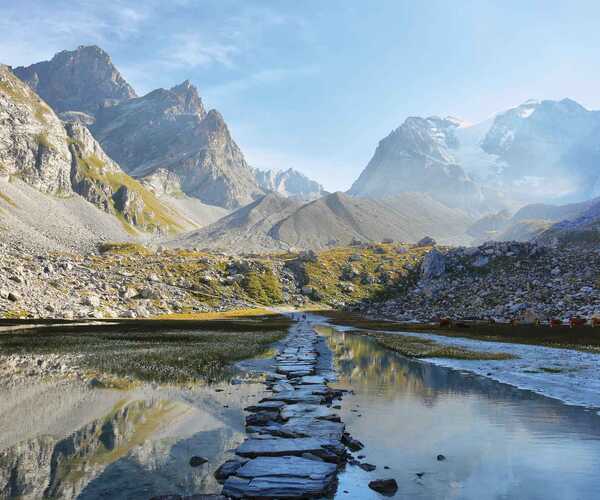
294	446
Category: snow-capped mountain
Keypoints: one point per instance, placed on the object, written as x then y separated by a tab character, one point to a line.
540	151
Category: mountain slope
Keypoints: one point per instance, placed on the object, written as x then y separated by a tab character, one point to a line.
277	223
245	230
79	80
170	130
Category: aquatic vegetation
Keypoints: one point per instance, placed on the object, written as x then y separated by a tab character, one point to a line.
170	352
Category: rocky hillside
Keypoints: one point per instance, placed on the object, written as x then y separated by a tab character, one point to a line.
64	160
129	280
504	281
79	80
278	223
289	183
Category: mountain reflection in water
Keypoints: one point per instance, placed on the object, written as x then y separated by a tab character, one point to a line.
138	449
500	442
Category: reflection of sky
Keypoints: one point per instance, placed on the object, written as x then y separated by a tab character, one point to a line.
500	442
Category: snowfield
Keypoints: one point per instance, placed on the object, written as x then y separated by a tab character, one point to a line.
565	374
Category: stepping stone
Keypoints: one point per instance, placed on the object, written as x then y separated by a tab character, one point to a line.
313	379
314	427
275	447
294	397
285	466
266	406
305	410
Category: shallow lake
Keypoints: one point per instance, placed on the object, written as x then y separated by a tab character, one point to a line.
67	441
499	442
63	441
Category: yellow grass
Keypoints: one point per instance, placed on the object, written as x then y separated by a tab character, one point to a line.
235	313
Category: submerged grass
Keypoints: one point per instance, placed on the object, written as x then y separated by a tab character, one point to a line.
183	352
414	347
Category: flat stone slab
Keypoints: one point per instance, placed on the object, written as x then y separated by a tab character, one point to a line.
278	447
286	466
277	487
294	397
313	379
266	406
305	410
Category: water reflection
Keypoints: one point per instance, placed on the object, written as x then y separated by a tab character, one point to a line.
500	442
140	447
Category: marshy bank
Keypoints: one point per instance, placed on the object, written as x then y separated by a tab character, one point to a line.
121	352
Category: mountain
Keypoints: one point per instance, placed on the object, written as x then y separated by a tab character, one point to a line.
45	163
418	157
539	151
79	80
583	228
170	130
166	129
245	230
274	222
289	183
528	222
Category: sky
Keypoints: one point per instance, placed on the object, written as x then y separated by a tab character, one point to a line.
314	85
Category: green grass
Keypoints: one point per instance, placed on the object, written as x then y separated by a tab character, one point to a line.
414	347
263	287
164	351
584	338
117	248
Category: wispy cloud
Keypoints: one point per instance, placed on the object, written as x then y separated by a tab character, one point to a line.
193	50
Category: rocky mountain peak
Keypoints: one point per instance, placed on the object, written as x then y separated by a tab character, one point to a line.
83	79
289	183
188	96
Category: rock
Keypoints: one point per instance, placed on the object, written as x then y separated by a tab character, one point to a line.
228	468
91	300
441	458
387	487
427	241
434	265
367	467
284	477
196	461
13	296
351	443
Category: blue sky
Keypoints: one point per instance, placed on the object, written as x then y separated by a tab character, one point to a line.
315	84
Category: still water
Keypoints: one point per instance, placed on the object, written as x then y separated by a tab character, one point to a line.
63	441
499	442
66	441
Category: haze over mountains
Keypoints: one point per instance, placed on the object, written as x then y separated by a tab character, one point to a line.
161	164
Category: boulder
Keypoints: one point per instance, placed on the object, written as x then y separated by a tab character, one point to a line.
434	265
